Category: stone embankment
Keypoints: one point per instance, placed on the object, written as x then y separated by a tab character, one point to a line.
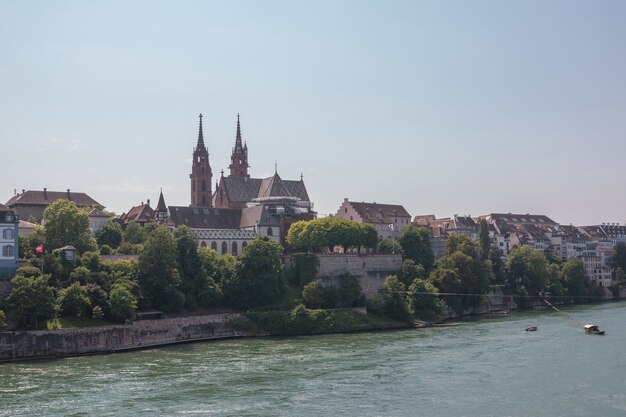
22	345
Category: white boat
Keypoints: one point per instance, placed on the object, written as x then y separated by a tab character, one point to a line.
593	329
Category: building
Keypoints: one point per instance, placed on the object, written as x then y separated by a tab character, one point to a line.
30	205
601	241
9	241
140	214
201	174
387	219
97	219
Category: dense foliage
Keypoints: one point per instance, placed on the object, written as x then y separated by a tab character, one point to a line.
315	235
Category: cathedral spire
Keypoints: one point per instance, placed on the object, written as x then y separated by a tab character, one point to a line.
200	144
239	158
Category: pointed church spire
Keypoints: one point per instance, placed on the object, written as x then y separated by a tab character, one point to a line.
200	144
239	158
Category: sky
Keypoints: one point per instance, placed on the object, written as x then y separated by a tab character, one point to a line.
453	107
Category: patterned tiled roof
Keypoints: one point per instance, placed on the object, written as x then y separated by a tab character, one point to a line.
226	234
242	190
45	198
140	214
205	217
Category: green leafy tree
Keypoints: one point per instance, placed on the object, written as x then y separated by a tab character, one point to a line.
110	234
158	276
313	294
133	233
411	271
28	271
123	303
395	299
574	277
388	246
618	259
257	280
329	232
198	287
497	266
66	224
415	242
3	320
31	299
98	297
423	298
74	301
219	267
484	239
527	271
350	291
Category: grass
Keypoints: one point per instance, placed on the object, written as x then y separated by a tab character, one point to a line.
76	322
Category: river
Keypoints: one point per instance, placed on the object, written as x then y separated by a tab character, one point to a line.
487	367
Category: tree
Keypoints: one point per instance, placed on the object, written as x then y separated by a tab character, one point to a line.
3	320
66	224
574	277
423	298
257	280
329	232
313	294
123	303
31	299
133	233
411	271
395	299
484	239
415	242
497	265
527	271
198	287
618	259
74	301
110	234
158	276
387	246
349	290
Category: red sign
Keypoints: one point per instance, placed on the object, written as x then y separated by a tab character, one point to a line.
39	249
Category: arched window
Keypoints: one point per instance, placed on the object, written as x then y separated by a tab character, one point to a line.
203	185
203	244
214	246
270	232
243	246
224	248
234	249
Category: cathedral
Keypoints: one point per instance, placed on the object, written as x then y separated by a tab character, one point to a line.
241	207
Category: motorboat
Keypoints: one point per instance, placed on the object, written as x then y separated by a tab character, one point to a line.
593	329
531	329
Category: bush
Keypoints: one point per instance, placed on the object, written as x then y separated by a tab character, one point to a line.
123	303
74	301
3	320
28	271
106	250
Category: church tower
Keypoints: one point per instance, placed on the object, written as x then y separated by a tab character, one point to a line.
201	176
239	158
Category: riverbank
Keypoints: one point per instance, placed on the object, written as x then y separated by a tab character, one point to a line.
146	334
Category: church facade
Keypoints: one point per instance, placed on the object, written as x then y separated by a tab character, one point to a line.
241	208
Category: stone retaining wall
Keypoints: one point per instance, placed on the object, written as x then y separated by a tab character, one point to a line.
93	340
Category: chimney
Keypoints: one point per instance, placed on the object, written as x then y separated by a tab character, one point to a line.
68	194
45	193
23	191
15	191
148	200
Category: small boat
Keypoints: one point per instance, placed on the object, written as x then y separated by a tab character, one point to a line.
531	329
593	329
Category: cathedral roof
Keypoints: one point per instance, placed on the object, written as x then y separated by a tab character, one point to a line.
247	189
205	217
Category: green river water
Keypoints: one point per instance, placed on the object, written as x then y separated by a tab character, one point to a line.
487	367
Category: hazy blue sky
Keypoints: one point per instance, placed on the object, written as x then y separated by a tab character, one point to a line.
446	107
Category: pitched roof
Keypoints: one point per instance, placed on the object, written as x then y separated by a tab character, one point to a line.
161	205
205	217
141	214
96	212
379	213
45	197
242	190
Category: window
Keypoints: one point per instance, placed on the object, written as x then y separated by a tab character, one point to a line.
7	251
243	246
203	185
214	246
346	210
7	234
203	244
8	217
234	249
224	248
270	232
